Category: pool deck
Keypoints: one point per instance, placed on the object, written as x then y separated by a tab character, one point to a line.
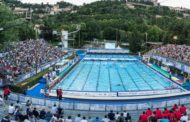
166	74
35	92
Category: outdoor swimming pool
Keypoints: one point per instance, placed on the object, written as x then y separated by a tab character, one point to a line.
113	76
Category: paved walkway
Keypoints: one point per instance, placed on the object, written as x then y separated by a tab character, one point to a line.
3	111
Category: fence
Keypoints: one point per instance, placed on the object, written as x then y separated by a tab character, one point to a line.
68	65
102	105
181	66
117	94
108	51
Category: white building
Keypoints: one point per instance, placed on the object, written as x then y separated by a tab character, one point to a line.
19	10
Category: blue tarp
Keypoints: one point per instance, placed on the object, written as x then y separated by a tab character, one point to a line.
35	92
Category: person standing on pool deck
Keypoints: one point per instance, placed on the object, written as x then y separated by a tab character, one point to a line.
57	92
6	93
170	75
60	94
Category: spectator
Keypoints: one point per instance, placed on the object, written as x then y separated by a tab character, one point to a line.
158	113
105	119
68	119
31	118
61	119
18	105
54	109
11	109
184	118
148	112
35	113
143	117
117	115
59	110
171	115
153	118
177	114
125	113
48	116
90	119
164	120
165	114
6	93
183	109
166	111
54	118
26	119
175	107
83	119
28	103
96	120
128	118
42	114
121	118
111	115
28	111
17	113
78	118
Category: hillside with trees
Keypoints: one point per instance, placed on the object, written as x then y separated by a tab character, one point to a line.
113	20
13	27
110	20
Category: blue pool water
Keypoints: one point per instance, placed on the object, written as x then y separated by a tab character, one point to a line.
114	76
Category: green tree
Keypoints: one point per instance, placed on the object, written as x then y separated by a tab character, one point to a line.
109	33
154	34
135	41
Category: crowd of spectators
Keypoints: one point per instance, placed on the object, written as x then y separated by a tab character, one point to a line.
176	114
28	113
177	52
25	56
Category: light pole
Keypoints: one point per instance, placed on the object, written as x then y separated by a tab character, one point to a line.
36	49
79	38
146	38
146	34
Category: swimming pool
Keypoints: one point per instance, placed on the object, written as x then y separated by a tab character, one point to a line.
113	76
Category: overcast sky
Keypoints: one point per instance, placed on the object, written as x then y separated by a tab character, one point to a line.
174	3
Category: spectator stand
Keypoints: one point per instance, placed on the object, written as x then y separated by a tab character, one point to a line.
51	79
25	57
178	58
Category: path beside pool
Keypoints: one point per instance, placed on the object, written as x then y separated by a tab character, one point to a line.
35	92
178	79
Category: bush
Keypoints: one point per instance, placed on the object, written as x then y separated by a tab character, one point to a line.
30	82
72	56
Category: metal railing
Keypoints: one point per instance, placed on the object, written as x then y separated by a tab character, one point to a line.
102	105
